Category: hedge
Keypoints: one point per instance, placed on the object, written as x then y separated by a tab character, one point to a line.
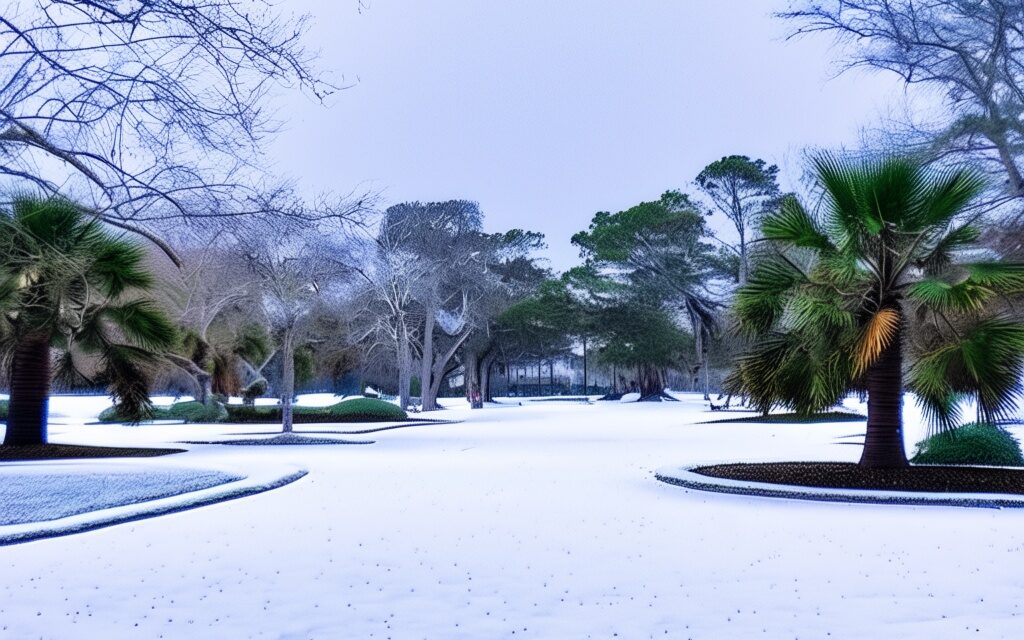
355	410
191	411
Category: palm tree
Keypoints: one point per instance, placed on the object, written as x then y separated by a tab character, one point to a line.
68	285
846	293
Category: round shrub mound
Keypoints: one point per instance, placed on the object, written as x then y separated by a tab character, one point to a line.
975	443
355	410
190	411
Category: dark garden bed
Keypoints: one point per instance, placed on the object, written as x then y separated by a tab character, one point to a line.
793	418
73	451
838	475
283	439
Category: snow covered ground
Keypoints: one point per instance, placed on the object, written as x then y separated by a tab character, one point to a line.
32	492
534	521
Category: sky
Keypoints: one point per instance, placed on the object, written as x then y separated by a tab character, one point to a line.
547	112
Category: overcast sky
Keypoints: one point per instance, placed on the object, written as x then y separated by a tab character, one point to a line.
546	112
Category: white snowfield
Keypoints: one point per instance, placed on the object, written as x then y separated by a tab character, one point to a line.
535	521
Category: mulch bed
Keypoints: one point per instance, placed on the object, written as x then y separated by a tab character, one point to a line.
284	439
837	475
793	418
72	451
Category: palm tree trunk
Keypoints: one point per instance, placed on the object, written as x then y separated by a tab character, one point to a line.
883	443
30	391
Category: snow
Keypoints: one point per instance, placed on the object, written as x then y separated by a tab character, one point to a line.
40	491
544	520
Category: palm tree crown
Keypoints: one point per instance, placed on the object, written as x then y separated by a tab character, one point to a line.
68	284
878	268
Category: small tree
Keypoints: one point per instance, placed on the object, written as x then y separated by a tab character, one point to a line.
658	256
292	276
67	284
742	189
834	306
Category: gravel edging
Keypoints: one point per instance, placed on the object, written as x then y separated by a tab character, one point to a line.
80	523
686	477
281	440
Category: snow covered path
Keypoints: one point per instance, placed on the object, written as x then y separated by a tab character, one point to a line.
541	521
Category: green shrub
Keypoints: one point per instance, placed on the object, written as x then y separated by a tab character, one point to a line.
188	411
355	410
255	389
974	443
3	411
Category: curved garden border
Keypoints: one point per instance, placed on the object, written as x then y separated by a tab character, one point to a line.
252	484
688	478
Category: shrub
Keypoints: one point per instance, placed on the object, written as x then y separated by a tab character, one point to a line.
188	411
3	411
355	410
975	443
255	389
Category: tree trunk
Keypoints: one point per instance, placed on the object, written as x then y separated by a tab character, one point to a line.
744	266
30	391
650	382
405	371
883	442
472	379
485	377
427	401
287	383
584	366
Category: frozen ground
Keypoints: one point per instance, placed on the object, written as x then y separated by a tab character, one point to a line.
42	491
540	521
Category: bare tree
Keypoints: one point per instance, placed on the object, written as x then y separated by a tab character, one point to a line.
970	50
293	275
150	109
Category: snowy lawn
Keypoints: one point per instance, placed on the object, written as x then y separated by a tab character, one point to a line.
539	521
35	492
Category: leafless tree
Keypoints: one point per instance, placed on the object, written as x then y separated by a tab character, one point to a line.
294	275
972	51
149	109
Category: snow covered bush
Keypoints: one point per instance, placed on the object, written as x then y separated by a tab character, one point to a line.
975	443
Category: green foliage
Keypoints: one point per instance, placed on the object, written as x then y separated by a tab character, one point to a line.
647	272
971	444
3	410
254	390
641	335
191	411
253	343
303	365
354	410
879	263
64	277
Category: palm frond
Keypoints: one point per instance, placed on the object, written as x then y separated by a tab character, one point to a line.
940	255
943	297
1004	277
944	196
792	224
128	376
143	323
760	303
877	334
